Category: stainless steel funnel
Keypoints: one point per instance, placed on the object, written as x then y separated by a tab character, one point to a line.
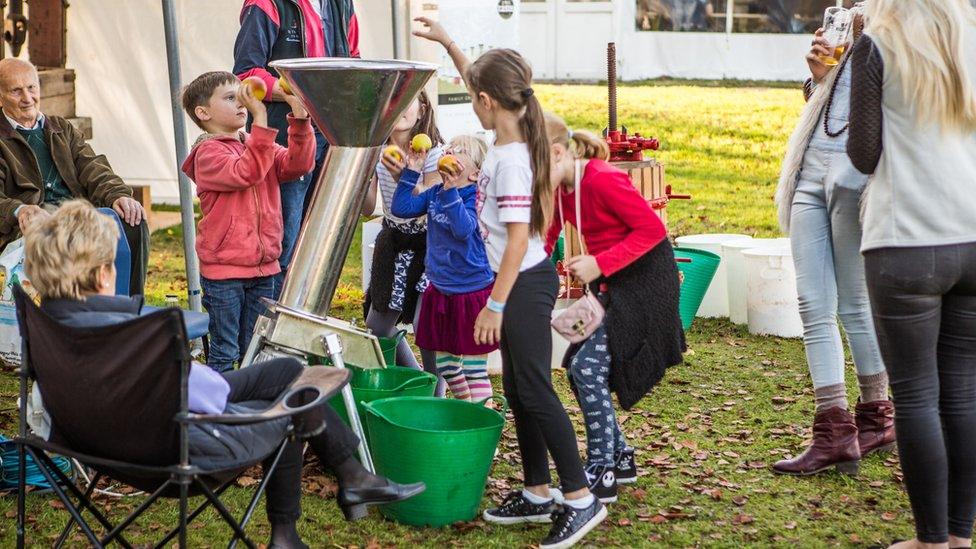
355	103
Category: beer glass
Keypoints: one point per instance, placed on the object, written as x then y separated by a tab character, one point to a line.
837	29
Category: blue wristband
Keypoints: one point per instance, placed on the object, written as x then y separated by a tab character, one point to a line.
495	306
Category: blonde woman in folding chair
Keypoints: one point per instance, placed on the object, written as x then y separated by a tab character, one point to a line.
70	260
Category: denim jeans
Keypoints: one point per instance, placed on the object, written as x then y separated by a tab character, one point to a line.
295	199
234	306
924	303
826	239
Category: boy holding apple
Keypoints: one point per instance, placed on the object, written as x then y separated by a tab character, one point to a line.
237	175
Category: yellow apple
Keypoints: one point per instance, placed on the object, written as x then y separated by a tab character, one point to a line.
285	86
258	88
394	152
421	143
448	164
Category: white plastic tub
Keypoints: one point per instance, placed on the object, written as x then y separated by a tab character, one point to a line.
772	304
716	300
735	271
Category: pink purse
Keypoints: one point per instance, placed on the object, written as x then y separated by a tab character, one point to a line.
578	322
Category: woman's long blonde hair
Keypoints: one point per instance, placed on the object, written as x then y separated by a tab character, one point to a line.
925	43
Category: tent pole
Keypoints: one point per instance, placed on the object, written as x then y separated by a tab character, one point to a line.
179	129
395	16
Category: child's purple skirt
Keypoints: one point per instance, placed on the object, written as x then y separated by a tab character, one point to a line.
446	322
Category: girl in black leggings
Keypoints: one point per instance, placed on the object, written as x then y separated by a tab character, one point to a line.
514	207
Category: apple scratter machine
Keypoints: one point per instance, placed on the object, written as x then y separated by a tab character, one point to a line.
355	104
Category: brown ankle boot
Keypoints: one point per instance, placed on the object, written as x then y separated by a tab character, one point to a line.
875	426
834	445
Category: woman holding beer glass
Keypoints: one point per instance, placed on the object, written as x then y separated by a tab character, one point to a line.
913	126
818	200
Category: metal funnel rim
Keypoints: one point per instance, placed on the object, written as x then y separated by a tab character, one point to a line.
346	63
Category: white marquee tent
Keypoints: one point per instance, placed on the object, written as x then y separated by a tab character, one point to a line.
118	52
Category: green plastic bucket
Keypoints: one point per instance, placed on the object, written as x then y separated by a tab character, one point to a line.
369	384
697	277
389	346
446	444
558	253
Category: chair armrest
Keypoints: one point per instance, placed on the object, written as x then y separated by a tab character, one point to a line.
315	386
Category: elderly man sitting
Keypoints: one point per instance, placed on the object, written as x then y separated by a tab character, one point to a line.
44	160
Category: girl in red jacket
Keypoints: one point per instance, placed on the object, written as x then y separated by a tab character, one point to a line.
629	263
237	176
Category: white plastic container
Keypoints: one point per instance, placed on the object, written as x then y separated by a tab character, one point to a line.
773	307
716	300
735	271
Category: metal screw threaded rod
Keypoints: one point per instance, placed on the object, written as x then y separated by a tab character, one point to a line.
612	84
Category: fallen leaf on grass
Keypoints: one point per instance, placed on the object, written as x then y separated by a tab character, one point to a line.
623	522
245	481
659	519
790	525
888	517
464	527
743	519
740	500
876	484
55	504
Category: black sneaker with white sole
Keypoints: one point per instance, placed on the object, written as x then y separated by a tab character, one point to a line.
515	508
569	525
603	482
625	467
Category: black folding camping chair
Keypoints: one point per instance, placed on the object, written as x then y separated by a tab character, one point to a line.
117	397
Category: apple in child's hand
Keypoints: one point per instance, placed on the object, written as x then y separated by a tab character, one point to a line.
393	152
449	164
285	86
258	88
421	143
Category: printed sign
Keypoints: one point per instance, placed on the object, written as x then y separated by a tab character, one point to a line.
476	27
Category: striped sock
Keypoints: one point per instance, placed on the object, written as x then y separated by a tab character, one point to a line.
449	367
476	372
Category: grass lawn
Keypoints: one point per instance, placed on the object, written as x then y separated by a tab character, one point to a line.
705	436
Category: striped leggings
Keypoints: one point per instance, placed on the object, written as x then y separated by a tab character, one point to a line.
466	376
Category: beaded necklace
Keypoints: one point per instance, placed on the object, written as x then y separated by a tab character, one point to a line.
830	102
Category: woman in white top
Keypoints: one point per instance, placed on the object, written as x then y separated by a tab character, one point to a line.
913	126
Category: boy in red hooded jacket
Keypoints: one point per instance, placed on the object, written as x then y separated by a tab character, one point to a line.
237	176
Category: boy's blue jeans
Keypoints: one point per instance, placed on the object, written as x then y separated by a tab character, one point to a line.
234	306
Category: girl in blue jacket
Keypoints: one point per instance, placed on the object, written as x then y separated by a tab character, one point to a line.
456	266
